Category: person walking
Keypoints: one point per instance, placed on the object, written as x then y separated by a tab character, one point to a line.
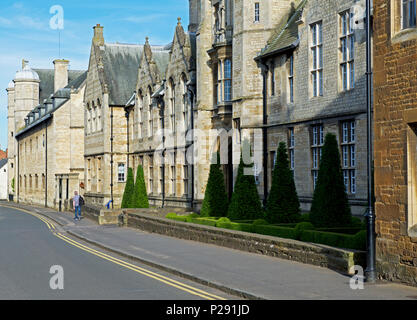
76	205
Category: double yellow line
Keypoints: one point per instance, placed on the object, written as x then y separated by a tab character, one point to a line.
171	282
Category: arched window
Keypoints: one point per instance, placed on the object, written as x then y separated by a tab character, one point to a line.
99	114
150	115
172	105
140	112
185	112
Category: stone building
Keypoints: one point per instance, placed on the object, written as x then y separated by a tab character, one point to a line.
314	68
230	34
161	118
111	82
395	139
46	126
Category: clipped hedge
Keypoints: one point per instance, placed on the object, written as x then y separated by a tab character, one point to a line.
303	231
282	232
357	241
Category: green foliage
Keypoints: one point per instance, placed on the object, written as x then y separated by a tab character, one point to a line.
140	195
245	203
129	188
300	227
282	232
282	204
171	215
357	241
13	184
246	227
305	217
215	201
330	207
356	223
203	221
260	222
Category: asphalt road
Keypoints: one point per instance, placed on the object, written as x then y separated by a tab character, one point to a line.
29	248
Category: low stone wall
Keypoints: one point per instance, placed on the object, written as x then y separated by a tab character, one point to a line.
320	255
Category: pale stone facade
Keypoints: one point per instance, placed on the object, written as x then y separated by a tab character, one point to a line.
301	117
46	139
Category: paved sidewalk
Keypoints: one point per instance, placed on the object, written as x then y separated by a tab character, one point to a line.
254	276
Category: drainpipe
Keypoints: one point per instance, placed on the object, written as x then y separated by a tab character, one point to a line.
370	271
111	157
18	171
46	164
163	150
127	114
264	69
191	89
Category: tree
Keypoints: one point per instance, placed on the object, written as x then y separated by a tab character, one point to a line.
282	205
330	207
140	196
245	203
215	201
128	193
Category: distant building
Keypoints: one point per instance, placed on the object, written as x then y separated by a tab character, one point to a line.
395	139
3	179
46	134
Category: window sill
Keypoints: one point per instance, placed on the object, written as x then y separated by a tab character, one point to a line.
404	35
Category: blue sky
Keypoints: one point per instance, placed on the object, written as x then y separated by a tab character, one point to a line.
25	33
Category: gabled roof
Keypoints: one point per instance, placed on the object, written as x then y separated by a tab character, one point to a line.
161	58
121	62
46	76
285	35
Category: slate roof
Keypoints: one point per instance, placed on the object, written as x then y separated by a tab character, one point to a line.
285	35
161	58
121	63
3	162
46	76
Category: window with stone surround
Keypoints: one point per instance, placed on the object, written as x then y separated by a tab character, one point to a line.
121	172
150	175
403	20
316	49
291	148
150	115
173	173
184	101
291	78
185	175
317	142
412	179
348	147
257	12
224	81
172	105
347	50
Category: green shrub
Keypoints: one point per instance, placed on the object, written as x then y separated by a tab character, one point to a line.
245	203
282	232
216	202
128	193
140	195
171	215
330	207
305	217
356	222
192	216
335	239
223	222
282	204
236	226
260	222
203	221
300	227
346	230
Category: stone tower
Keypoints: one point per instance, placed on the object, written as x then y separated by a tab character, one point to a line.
194	12
26	94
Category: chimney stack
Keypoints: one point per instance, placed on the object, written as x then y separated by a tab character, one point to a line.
61	74
98	35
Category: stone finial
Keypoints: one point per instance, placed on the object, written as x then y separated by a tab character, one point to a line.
179	21
24	63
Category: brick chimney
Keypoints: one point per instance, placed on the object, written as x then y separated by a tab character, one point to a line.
98	35
61	74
